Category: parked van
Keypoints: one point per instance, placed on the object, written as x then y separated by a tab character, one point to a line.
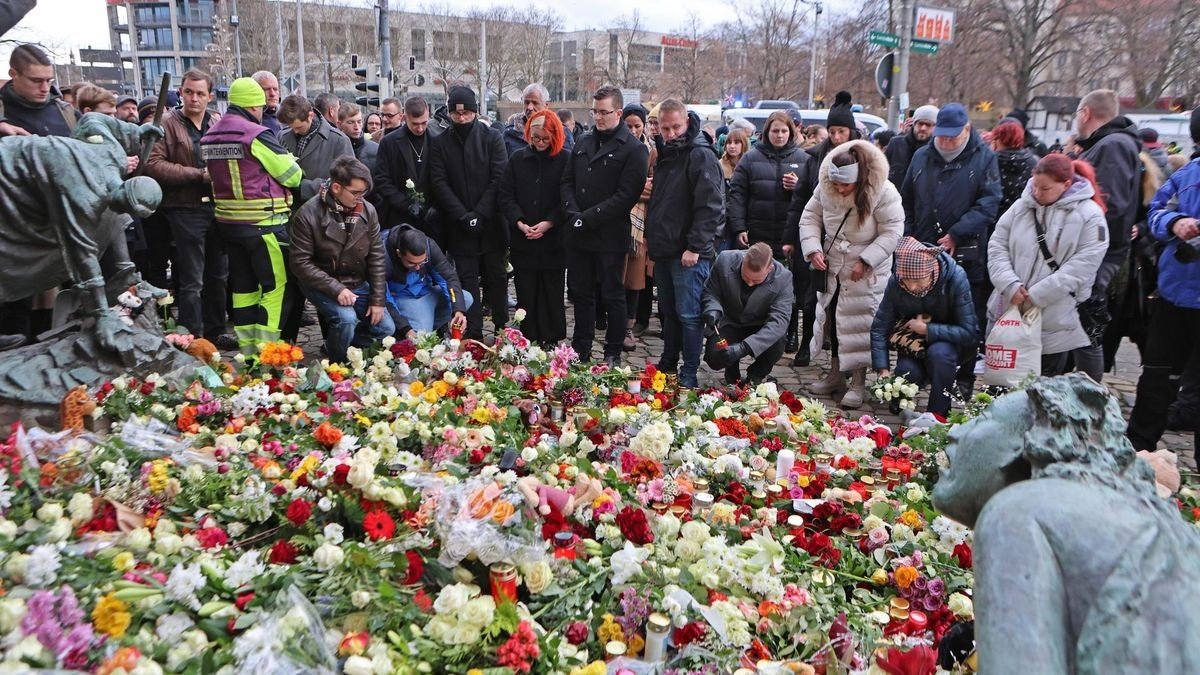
759	117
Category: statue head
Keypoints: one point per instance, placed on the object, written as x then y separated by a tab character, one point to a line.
1057	426
138	196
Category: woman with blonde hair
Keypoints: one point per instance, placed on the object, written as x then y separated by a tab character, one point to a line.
848	233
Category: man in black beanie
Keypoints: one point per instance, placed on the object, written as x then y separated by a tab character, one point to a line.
466	164
1032	142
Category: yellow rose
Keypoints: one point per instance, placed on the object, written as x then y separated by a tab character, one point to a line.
123	561
538	576
879	577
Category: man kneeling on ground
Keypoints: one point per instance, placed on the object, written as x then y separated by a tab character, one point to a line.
423	290
338	259
747	305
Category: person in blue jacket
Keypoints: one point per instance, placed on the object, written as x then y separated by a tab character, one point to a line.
951	197
1173	343
929	300
423	290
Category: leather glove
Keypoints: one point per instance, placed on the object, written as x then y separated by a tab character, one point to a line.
415	210
711	319
735	352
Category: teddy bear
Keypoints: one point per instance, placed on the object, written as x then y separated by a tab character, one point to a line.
129	305
545	499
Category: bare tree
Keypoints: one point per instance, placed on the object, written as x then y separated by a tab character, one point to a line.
1154	41
775	30
685	72
625	68
1029	35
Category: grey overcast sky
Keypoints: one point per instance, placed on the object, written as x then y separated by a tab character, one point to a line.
67	25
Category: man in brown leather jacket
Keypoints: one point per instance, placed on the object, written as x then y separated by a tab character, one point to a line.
338	259
201	268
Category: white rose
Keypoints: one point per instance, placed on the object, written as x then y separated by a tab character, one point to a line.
410	185
439	627
12	611
519	315
538	576
8	528
915	493
695	530
50	512
961	605
146	667
395	497
358	665
328	556
617	416
168	544
666	527
478	612
138	540
80	507
465	634
452	598
360	599
687	550
529	454
334	533
59	531
360	474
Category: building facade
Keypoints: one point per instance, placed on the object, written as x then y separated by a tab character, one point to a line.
153	37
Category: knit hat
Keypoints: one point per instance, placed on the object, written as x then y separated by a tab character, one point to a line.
915	260
461	98
636	110
146	107
926	113
122	100
246	93
1019	115
840	114
654	111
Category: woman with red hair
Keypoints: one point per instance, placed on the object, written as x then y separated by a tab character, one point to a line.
533	211
1016	161
1045	253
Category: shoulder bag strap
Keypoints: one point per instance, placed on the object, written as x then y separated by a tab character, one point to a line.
1041	241
838	231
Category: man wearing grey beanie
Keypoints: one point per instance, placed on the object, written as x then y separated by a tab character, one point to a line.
900	151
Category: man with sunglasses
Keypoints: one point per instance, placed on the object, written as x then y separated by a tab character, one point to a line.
338	259
601	184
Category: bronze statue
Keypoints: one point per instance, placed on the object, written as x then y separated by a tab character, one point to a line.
1080	567
60	214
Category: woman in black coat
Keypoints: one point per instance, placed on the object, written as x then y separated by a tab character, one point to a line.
1016	163
533	212
761	193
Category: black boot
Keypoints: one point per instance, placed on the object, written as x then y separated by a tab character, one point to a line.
11	341
792	344
802	357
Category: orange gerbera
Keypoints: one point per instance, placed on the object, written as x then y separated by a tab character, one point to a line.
327	434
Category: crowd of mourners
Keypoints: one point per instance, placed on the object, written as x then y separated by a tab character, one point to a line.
894	252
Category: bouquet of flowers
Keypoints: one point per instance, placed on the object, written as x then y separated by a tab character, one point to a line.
896	393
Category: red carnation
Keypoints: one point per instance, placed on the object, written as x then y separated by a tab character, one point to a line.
416	568
962	553
299	511
689	633
634	527
212	537
284	552
379	525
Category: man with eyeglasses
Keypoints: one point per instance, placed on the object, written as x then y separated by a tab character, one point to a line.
28	107
338	259
392	114
601	184
466	164
534	98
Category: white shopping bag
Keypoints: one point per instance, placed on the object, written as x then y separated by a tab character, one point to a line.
1014	348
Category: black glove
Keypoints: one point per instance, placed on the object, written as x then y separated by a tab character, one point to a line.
416	211
470	220
735	352
575	220
711	319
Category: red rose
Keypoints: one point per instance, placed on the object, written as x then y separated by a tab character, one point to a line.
243	600
299	511
379	525
416	568
340	472
962	553
423	601
212	537
847	521
283	552
279	490
716	596
634	527
689	633
476	456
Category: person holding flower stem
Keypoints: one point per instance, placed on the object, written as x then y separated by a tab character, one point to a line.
927	316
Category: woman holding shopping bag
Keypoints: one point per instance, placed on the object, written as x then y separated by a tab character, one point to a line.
848	233
1045	253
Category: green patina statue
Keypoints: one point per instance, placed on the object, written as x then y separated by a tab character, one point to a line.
1080	567
62	206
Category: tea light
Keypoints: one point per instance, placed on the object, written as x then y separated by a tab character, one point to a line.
634	385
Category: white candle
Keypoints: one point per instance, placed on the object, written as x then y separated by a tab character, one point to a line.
784	463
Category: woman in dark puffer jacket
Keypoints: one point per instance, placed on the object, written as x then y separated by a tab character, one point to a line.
761	193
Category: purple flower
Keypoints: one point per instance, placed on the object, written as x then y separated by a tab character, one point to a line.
936	587
931	603
69	613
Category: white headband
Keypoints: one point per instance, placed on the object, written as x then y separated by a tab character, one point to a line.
843	174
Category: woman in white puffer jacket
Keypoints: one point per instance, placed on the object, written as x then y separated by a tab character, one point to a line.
1063	201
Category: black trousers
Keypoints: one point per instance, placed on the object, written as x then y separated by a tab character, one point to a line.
1172	351
154	260
484	271
586	269
201	270
540	294
759	369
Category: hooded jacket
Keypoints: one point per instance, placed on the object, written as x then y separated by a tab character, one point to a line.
687	205
948	304
1077	237
961	198
757	202
1113	150
1179	197
871	240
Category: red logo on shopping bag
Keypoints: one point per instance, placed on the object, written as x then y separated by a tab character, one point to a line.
1000	358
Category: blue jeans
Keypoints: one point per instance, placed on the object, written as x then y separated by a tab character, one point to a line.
679	292
348	325
938	368
429	311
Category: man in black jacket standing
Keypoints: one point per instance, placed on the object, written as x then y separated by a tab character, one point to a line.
685	211
1111	144
466	165
602	182
901	150
403	156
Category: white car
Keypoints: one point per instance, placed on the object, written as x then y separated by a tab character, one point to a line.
758	116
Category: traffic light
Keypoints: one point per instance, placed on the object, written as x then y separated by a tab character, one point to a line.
370	83
412	63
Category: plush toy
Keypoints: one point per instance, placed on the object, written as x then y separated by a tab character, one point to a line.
76	406
546	499
1166	470
129	305
202	349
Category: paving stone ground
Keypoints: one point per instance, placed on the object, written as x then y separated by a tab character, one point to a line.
1122	381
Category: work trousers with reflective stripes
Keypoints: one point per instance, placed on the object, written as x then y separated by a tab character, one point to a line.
257	279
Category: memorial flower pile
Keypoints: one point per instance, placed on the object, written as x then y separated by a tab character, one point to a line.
453	507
